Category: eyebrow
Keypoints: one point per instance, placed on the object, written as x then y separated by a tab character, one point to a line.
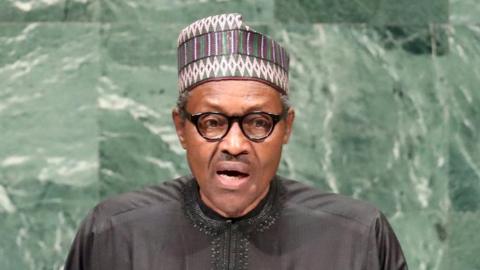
218	108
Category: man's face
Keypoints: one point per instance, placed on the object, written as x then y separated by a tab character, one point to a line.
234	173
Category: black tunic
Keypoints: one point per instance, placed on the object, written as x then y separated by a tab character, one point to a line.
294	227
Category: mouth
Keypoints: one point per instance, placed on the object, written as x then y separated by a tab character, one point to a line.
232	174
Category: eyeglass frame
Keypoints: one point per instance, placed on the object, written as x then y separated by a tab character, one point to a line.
193	118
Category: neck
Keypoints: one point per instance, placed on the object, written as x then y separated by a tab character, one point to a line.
226	212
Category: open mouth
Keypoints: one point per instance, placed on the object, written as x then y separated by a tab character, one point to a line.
232	174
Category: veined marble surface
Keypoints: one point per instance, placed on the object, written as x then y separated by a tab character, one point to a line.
387	111
49	139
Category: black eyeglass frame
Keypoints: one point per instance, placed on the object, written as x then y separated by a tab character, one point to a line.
193	118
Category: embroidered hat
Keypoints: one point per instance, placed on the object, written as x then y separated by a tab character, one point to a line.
223	47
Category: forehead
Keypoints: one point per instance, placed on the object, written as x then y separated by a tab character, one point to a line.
234	96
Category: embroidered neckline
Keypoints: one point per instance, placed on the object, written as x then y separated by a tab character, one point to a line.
261	220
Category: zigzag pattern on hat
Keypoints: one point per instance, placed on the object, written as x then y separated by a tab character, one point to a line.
233	66
212	24
222	46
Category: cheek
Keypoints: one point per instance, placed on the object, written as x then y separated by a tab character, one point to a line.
193	140
199	151
269	153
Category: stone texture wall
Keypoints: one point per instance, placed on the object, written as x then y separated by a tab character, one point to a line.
386	91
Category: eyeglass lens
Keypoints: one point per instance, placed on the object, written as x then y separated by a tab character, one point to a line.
212	126
254	125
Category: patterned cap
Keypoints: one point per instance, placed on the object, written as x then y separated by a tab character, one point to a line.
223	47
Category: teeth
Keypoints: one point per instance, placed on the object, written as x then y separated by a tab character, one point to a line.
232	174
231	177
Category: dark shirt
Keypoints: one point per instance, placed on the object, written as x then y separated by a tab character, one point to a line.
294	227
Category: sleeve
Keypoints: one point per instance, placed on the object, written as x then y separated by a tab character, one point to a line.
79	257
98	245
384	252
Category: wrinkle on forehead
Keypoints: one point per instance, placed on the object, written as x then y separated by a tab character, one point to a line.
235	97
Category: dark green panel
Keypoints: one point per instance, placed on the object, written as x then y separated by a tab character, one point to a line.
48	151
411	12
459	74
137	93
464	12
145	45
464	180
328	11
367	126
381	12
40	231
183	12
463	245
49	11
415	40
424	237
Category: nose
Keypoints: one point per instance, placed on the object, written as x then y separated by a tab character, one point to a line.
234	143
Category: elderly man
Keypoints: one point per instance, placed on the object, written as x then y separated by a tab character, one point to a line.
234	212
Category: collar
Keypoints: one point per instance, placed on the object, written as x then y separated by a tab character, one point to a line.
262	217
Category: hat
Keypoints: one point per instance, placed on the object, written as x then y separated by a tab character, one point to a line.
223	47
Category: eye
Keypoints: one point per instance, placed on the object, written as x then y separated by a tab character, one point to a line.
260	123
212	121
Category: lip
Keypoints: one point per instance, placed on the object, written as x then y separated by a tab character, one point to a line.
229	182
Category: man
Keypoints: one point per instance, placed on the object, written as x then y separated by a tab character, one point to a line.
234	212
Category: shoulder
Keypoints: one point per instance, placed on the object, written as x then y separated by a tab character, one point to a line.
307	200
162	198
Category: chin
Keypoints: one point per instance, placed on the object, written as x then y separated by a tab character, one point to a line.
232	205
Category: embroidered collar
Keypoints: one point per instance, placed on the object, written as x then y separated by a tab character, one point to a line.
259	219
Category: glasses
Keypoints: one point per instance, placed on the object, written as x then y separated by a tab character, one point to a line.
214	126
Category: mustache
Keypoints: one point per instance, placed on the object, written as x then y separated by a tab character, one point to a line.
224	156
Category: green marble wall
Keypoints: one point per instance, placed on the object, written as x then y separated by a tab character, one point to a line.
387	110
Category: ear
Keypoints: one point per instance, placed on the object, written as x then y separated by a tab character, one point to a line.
179	126
289	124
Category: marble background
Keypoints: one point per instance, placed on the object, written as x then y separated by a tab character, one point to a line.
388	110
